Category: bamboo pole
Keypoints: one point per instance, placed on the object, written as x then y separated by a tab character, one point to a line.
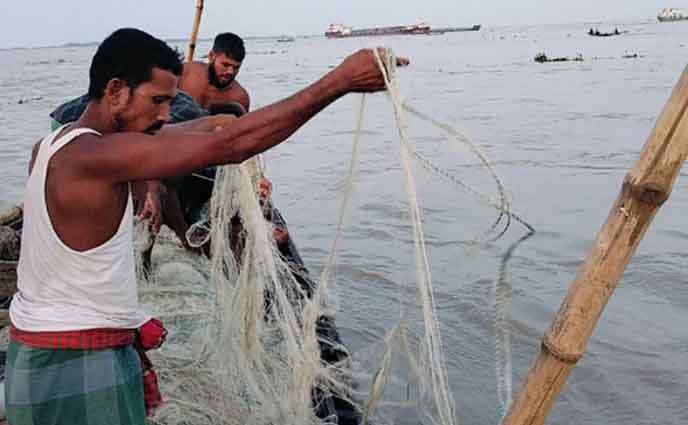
194	31
646	187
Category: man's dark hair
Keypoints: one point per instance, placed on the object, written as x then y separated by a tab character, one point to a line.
231	45
130	55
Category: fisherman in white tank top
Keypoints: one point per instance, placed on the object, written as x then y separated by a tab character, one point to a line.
70	360
65	289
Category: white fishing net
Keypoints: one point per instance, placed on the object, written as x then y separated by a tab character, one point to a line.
247	331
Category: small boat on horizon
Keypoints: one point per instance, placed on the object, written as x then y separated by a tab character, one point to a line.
671	15
596	33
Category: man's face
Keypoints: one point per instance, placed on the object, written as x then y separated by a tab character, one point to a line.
223	69
147	107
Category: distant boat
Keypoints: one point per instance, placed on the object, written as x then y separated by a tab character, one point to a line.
669	15
543	58
342	31
285	39
454	29
597	33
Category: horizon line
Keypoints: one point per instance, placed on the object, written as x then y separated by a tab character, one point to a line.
177	39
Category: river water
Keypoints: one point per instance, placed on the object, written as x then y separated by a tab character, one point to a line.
561	135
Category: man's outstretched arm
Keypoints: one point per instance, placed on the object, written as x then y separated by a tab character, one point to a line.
132	156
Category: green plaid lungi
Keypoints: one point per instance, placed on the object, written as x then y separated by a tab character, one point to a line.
73	387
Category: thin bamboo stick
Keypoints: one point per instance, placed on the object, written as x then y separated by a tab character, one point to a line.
646	187
194	31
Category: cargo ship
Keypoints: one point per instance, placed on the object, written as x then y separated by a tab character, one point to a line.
669	15
342	31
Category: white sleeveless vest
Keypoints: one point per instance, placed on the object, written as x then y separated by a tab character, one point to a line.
61	289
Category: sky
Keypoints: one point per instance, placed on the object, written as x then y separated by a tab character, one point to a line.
27	23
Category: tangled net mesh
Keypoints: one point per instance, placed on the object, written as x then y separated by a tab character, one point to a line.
243	344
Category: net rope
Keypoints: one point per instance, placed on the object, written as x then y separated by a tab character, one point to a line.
243	344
